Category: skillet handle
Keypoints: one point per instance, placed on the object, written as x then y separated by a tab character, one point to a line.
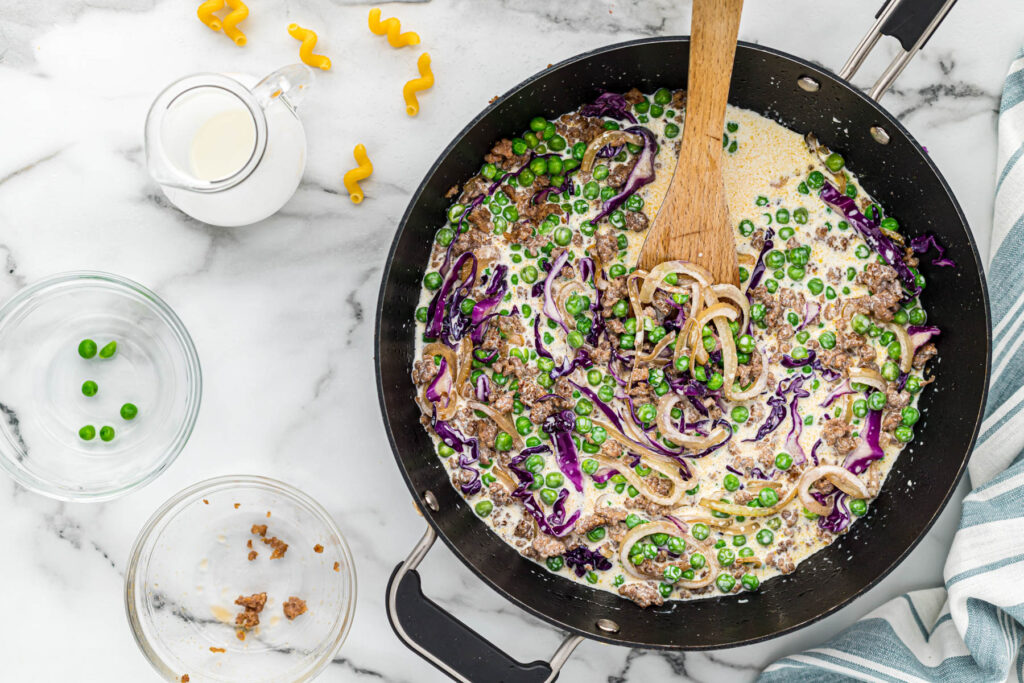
447	643
912	22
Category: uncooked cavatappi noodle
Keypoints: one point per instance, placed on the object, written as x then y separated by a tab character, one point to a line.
657	434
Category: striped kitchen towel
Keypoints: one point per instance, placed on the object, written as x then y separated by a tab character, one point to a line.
971	629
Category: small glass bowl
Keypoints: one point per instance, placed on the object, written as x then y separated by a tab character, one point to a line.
155	367
191	561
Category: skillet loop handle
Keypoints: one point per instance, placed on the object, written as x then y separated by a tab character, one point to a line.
912	23
454	648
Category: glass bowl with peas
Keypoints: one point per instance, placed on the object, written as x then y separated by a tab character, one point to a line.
203	557
101	387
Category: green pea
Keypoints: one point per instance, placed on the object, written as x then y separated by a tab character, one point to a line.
87	433
783	461
726	557
489	171
89	388
750	581
757	311
799	353
827	340
860	407
673	573
731	482
815	285
662	96
129	411
600	172
903	433
590	466
503	441
523	425
617	219
815	180
910	415
549	496
795	272
862	251
716	381
739	414
858	507
765	537
739	540
917	316
894	350
445	451
861	324
87	347
584	407
584	425
768	497
676	545
746	344
557	143
483	508
775	259
107	433
431	280
913	384
627	341
834	162
555	563
700	531
421	314
529	274
606	393
647	413
635	202
890	371
671	130
782	216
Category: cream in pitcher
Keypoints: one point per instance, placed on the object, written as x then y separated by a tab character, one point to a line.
228	150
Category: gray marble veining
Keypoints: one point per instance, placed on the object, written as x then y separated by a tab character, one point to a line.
281	312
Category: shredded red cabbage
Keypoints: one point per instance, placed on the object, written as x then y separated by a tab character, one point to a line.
814	452
444	320
921	243
434	390
839	518
777	407
642	173
560	426
919	336
494	294
453	439
582	359
610	104
871	233
840	391
556	525
483	388
550	309
759	267
581	559
868	449
604	475
793	438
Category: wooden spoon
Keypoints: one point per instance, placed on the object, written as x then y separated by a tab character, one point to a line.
693	223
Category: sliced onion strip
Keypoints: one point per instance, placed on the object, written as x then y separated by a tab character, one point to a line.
746	511
672	433
633	478
634	535
906	346
500	420
609	137
867	376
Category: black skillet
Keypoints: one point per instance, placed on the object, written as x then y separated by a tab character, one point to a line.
892	167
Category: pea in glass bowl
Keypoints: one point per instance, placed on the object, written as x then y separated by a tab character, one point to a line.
154	367
191	561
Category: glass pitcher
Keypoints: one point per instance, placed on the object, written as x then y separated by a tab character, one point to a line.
228	150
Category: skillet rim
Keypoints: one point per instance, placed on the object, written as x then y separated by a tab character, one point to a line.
813	69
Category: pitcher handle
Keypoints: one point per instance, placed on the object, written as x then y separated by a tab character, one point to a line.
289	84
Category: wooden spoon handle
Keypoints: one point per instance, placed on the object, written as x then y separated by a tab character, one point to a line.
716	24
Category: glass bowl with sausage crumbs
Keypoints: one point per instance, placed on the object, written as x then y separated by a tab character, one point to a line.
240	578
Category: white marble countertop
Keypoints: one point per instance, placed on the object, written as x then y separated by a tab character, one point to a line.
281	312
